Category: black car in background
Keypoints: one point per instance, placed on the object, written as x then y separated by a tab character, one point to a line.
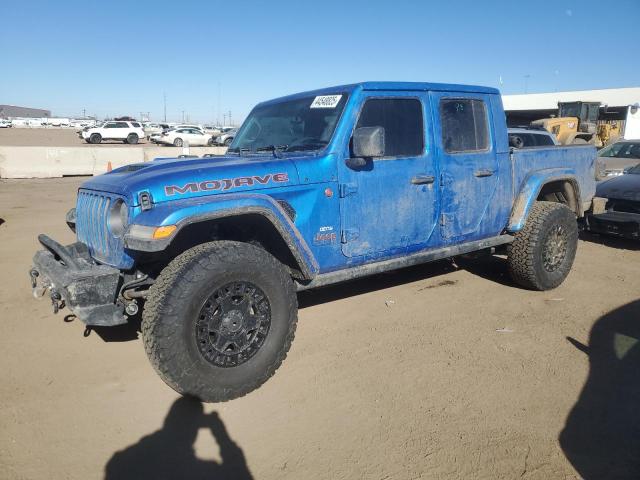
621	212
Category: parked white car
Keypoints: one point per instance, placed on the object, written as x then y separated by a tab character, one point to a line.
227	137
5	123
127	132
154	129
181	136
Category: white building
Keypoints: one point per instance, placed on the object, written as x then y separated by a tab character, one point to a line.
617	104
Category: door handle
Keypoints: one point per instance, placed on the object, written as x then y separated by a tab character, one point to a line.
483	173
423	179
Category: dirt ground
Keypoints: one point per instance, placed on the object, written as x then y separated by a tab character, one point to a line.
442	371
52	137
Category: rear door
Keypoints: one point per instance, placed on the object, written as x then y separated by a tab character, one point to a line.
468	162
392	202
121	131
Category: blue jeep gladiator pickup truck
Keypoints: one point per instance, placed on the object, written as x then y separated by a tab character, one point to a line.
316	188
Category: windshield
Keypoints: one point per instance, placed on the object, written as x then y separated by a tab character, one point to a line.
304	124
635	170
570	110
629	150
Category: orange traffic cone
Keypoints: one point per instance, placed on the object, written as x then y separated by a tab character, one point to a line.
109	167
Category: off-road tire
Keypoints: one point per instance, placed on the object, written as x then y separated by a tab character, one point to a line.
526	254
174	304
178	142
95	138
132	139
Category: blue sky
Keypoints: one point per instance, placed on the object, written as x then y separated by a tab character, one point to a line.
118	57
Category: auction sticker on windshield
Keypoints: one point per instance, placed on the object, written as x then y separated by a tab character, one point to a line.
326	101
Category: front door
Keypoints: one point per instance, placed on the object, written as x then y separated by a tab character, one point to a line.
468	162
391	203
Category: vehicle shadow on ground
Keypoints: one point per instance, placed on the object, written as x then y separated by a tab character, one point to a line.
489	267
309	298
120	333
601	437
612	242
169	452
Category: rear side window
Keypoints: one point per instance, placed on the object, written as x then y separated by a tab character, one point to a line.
135	124
465	126
543	140
122	125
402	121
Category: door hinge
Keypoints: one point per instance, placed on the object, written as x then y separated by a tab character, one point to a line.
443	219
346	189
349	235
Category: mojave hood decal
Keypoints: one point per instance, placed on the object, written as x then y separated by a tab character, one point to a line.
226	183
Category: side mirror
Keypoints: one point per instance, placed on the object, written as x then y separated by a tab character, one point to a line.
368	142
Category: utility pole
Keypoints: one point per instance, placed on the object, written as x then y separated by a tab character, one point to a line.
84	112
219	104
182	116
165	106
230	123
224	121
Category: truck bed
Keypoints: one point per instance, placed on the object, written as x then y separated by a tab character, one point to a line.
572	160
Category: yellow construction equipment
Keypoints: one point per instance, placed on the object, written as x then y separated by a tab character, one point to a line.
577	122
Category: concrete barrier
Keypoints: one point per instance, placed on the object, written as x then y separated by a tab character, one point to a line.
52	162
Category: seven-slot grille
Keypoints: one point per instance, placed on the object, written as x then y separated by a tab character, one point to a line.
92	215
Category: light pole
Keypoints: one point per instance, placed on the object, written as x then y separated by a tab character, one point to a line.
165	106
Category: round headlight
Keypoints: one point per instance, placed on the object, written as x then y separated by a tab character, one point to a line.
118	218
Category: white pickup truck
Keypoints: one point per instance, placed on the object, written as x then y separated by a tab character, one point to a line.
127	132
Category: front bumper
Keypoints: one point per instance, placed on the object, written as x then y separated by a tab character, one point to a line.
74	280
620	224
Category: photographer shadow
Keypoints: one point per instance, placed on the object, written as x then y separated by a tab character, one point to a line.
169	452
601	437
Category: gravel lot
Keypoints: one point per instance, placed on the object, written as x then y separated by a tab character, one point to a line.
441	371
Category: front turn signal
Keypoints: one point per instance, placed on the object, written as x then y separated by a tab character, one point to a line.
164	232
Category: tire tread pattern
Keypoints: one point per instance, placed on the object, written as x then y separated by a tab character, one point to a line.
161	321
524	266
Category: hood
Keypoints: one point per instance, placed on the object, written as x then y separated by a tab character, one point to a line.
624	187
179	178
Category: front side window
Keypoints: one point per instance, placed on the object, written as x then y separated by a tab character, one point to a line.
465	125
403	124
303	124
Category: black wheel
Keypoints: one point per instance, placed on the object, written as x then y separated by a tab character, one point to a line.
219	320
228	141
95	138
132	139
211	142
177	142
542	253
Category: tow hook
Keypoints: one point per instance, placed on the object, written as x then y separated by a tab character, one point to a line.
131	308
38	291
56	301
34	274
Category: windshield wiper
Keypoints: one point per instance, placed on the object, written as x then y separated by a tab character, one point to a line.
239	151
276	149
306	146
